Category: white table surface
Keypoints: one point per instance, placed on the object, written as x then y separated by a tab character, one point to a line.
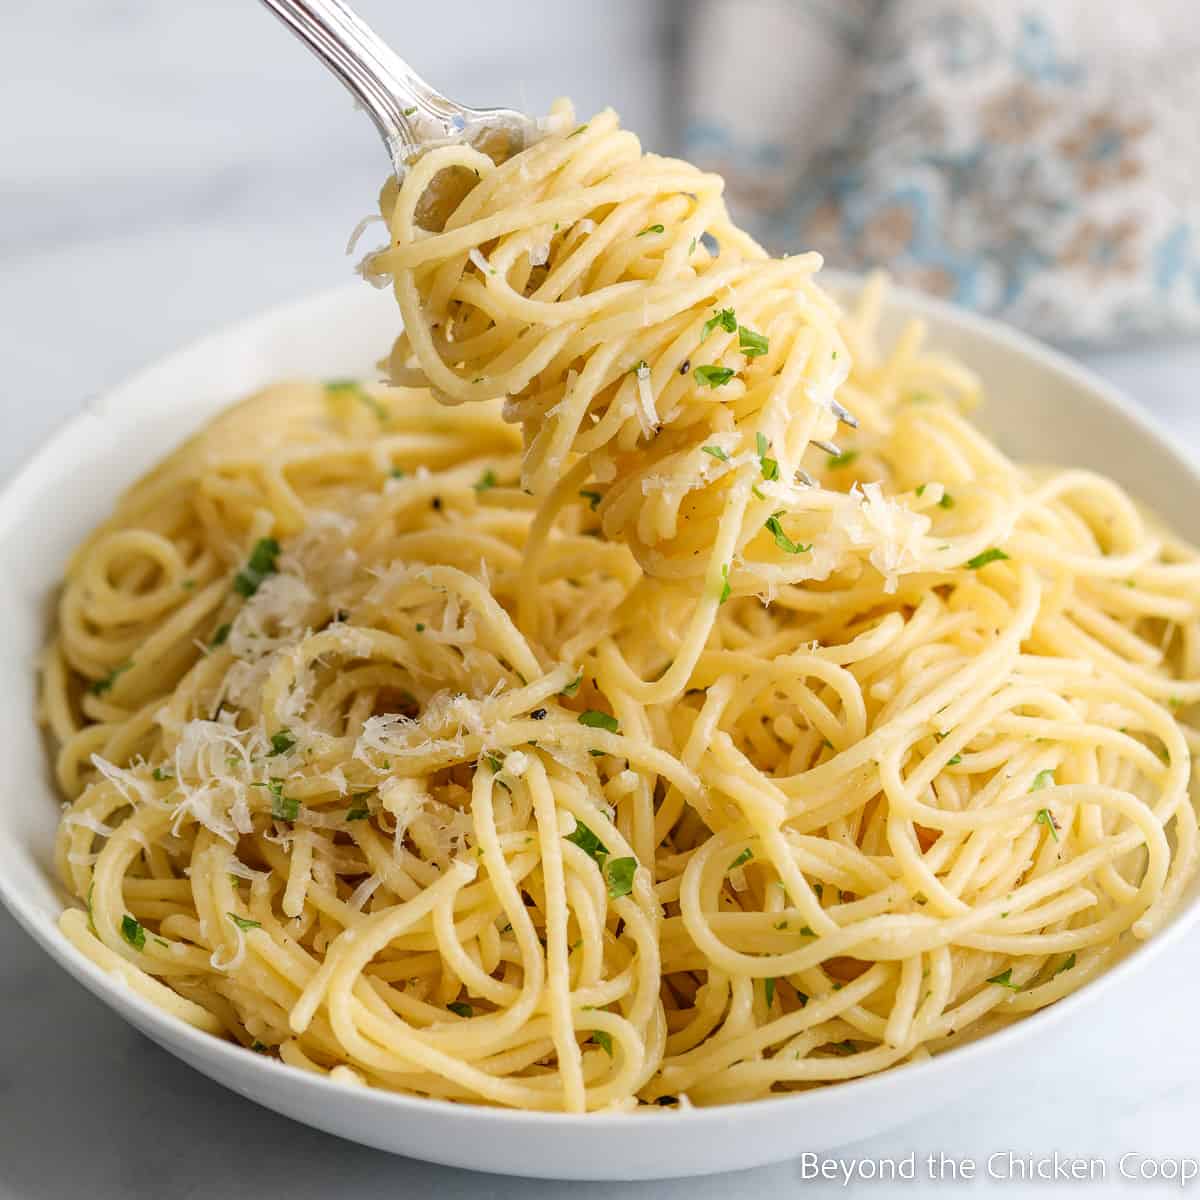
166	168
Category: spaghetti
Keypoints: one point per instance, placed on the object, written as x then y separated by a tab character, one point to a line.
655	753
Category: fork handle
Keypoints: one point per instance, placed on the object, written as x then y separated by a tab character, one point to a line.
378	78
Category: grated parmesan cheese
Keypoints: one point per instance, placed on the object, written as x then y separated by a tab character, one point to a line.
647	411
894	532
132	789
85	820
516	764
404	799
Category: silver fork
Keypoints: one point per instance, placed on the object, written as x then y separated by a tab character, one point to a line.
408	113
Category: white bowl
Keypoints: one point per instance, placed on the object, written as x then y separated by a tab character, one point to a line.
1041	406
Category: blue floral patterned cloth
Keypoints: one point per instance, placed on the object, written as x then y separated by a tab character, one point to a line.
1036	161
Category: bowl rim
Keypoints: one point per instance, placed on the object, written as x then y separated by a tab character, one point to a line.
166	1029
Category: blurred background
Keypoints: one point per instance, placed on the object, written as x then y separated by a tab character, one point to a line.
169	167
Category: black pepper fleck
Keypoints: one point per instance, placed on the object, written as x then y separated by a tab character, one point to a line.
538	714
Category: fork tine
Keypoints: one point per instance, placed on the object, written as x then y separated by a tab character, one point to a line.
843	414
828	447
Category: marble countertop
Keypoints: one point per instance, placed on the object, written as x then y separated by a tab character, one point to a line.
168	168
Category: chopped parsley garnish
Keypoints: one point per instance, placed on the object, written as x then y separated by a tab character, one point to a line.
397	472
588	842
244	923
807	931
769	990
1004	979
745	856
716	452
752	344
408	112
1046	817
988	556
187	584
486	481
725	318
947	501
1042	779
594	719
782	540
358	811
381	413
577	132
100	686
493	762
726	590
220	637
770	467
713	376
572	687
844	459
651	229
593	498
263	561
846	1047
420	627
356	389
281	742
460	1009
921	489
133	932
602	1039
953	762
159	775
259	1047
283	808
618	874
1066	964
